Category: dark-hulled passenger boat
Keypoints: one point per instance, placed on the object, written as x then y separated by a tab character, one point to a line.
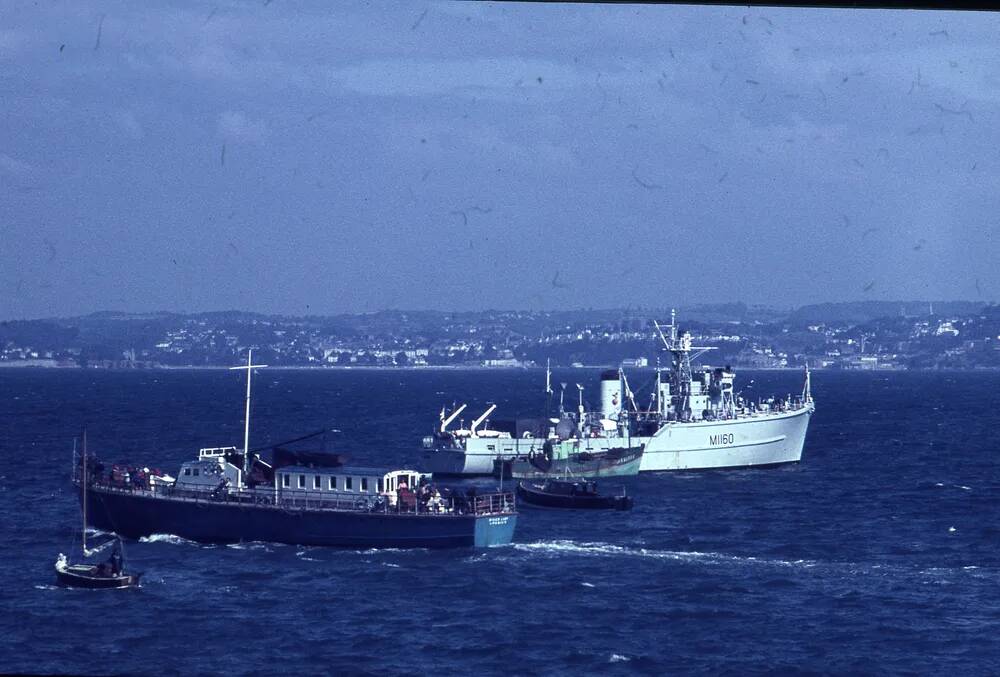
570	494
335	506
228	496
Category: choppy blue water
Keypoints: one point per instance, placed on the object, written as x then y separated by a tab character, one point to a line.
878	553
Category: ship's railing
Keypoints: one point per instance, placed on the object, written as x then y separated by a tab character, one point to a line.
480	504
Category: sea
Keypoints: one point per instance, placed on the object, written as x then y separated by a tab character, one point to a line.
878	553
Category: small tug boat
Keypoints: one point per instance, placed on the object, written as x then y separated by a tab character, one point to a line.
567	458
107	575
571	494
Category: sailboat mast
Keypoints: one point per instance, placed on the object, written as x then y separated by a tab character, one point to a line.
84	482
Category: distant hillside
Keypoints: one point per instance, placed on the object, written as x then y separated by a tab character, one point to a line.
864	311
862	335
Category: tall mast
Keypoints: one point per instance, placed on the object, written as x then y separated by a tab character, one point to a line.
246	428
659	390
548	387
680	348
84	480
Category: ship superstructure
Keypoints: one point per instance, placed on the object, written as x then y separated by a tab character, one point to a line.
229	495
694	419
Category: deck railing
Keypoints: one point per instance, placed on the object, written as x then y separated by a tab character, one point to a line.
479	504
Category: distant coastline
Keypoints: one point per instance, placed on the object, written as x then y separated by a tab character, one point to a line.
465	367
959	335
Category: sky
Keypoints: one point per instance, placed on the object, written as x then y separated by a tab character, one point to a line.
317	158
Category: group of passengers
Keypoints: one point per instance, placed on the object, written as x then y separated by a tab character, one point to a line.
119	476
428	498
129	477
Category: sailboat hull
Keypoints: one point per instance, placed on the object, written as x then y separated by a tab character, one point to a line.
87	576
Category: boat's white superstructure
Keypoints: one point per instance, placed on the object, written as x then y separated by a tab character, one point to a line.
695	421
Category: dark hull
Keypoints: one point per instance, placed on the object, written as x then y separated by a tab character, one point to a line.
80	579
534	495
135	515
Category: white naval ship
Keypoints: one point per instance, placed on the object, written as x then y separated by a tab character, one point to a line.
695	420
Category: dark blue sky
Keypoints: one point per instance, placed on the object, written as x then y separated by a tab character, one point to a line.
323	157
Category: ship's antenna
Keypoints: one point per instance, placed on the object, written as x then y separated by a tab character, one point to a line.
548	387
663	338
246	428
657	395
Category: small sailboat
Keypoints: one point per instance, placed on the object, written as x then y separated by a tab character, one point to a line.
107	575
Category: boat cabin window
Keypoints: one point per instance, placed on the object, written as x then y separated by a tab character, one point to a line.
333	483
195	472
187	471
284	479
302	481
364	484
380	485
317	482
349	483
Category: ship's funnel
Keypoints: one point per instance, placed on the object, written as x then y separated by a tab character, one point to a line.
611	394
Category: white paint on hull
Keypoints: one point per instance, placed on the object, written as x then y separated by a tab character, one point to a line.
764	439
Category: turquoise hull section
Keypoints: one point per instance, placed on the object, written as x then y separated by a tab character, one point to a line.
495	530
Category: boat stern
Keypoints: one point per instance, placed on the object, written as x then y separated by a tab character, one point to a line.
492	530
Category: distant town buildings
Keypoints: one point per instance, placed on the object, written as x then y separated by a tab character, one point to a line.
758	340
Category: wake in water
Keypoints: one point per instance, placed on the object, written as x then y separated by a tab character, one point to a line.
608	549
94	531
167	538
251	545
597	549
